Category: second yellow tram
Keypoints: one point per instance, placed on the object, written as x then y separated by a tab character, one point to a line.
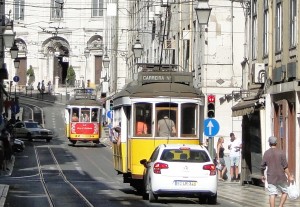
83	116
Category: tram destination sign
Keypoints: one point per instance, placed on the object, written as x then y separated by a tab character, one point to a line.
164	77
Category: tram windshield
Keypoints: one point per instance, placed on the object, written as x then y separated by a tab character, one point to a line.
85	115
171	119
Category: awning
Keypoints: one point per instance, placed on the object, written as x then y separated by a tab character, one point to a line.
244	107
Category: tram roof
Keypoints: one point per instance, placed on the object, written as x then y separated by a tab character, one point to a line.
85	102
153	90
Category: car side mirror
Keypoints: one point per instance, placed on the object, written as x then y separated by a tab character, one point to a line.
144	162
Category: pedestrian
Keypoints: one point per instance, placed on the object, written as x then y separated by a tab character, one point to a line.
5	136
235	147
278	173
43	87
7	105
39	86
49	85
141	126
221	165
166	127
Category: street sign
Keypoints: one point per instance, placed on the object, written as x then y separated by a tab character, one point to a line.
211	127
110	114
16	78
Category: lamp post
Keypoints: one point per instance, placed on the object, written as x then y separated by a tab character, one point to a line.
203	12
137	49
86	54
67	89
14	50
106	59
16	64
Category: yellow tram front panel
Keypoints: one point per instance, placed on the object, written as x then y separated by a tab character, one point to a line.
68	130
140	148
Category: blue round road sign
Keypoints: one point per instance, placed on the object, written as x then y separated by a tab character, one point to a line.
211	127
110	114
16	78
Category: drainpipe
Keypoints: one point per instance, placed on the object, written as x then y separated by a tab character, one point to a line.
2	23
270	39
180	35
191	56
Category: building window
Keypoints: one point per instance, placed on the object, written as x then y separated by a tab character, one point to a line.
278	27
97	9
19	9
254	29
293	22
57	9
266	28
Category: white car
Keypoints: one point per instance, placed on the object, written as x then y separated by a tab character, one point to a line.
31	130
180	170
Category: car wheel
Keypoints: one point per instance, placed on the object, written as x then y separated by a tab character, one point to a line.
73	142
29	137
96	142
151	196
144	192
212	199
202	199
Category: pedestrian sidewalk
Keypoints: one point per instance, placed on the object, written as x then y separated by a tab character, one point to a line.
4	188
252	195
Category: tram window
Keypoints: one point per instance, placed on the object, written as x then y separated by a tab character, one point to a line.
166	121
75	113
189	121
143	119
85	115
94	115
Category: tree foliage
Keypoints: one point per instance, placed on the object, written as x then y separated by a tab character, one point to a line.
31	75
71	75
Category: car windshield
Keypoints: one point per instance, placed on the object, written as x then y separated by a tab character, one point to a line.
185	155
31	125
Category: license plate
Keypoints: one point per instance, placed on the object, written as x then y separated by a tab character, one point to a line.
185	183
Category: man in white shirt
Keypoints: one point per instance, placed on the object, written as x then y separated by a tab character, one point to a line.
235	147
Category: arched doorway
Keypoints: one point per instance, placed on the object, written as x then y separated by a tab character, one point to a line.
56	49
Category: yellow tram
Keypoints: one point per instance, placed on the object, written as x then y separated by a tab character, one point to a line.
157	94
83	116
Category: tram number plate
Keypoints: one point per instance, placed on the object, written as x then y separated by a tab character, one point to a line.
185	183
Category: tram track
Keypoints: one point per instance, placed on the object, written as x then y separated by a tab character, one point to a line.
49	170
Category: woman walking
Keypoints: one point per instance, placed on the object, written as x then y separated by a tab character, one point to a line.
221	166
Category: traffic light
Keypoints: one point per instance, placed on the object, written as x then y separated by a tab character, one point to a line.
111	104
211	106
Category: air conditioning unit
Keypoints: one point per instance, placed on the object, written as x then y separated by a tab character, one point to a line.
169	45
151	16
259	73
157	10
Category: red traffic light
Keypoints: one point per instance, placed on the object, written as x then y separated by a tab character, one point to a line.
211	98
